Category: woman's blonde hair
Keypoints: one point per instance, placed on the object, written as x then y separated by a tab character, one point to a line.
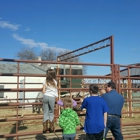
50	77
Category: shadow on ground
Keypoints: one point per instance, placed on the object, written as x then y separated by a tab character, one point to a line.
42	137
13	130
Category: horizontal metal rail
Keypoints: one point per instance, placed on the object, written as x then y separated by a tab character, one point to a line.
61	89
55	62
20	99
130	124
17	118
132	136
66	76
31	133
26	133
128	77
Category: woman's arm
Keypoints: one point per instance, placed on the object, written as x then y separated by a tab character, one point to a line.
74	103
60	102
43	89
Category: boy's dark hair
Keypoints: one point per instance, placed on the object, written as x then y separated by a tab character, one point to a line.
112	85
94	89
67	102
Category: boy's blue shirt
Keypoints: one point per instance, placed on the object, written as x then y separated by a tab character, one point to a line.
95	108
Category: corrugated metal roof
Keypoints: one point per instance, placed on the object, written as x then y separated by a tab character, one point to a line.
24	68
133	72
32	68
67	66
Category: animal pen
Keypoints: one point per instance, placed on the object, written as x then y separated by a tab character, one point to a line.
16	113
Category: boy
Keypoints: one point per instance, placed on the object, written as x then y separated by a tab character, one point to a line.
68	120
96	114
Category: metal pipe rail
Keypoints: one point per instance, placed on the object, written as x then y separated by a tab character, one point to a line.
114	75
19	99
55	62
31	133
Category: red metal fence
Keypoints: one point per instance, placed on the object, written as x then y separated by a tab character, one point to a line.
127	85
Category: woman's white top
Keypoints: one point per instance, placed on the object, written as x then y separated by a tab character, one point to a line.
50	90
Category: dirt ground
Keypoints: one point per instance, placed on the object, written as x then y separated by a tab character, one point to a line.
36	125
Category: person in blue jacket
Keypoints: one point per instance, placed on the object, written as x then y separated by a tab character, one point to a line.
96	114
115	103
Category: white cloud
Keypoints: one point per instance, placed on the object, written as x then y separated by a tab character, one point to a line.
31	43
5	24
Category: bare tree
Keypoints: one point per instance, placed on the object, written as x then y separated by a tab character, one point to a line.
48	54
73	59
26	54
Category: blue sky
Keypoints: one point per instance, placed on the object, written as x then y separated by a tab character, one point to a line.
69	25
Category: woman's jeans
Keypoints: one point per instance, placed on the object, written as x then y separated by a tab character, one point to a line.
48	106
113	124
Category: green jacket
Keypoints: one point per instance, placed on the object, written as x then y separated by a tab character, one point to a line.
68	121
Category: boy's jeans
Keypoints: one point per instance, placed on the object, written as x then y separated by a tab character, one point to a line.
69	138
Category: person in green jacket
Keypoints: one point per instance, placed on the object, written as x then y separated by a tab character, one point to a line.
68	120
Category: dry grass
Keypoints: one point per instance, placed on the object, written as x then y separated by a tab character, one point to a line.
9	127
36	125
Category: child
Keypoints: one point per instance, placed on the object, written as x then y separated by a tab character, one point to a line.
102	91
68	120
50	93
96	114
60	102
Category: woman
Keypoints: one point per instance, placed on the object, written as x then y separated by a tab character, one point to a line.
50	93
